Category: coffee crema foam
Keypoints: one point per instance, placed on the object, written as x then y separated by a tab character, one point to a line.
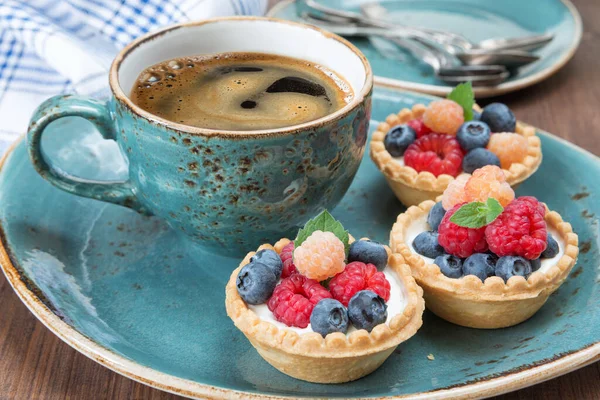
240	91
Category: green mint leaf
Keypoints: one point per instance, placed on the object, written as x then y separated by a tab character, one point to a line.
469	215
464	96
477	214
326	223
494	209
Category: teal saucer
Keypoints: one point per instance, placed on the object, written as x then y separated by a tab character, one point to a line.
476	20
129	293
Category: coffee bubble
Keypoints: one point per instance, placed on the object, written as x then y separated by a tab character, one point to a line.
175	64
151	77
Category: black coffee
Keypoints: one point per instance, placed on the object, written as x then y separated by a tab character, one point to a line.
240	91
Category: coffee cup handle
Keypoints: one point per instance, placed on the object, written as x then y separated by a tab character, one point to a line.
121	193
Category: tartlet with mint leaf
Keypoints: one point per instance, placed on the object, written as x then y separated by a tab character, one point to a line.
484	258
422	150
324	308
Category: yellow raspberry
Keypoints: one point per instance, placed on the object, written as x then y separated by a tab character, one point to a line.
444	116
320	256
509	147
455	192
486	182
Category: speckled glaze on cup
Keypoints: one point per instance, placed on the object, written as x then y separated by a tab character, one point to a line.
227	190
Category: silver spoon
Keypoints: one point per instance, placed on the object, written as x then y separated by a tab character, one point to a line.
510	58
507	58
444	38
445	61
375	11
488	75
526	43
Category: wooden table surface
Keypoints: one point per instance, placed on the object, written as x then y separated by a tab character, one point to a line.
35	364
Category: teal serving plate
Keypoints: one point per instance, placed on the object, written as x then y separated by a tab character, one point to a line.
128	292
476	20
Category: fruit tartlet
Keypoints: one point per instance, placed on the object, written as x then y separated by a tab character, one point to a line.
484	258
422	150
324	308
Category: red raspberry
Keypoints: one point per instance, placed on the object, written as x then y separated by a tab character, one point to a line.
520	230
294	298
358	276
419	126
458	240
438	154
288	264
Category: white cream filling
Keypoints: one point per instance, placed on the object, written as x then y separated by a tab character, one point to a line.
396	305
421	225
399	160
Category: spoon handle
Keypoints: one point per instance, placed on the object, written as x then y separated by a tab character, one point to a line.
526	43
420	52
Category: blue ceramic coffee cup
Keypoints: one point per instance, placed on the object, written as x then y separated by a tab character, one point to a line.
227	190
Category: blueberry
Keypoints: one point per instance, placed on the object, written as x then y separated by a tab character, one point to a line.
367	310
478	158
435	216
329	316
255	283
536	264
398	139
426	244
476	116
499	118
368	252
481	265
551	248
269	258
510	266
450	265
473	134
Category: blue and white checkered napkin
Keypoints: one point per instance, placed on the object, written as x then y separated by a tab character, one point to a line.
49	47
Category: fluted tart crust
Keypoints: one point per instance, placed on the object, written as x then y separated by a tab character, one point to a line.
338	357
491	304
412	187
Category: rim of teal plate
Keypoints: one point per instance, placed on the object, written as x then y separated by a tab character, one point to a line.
480	92
485	387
